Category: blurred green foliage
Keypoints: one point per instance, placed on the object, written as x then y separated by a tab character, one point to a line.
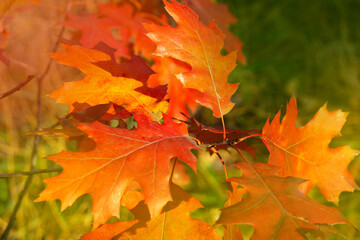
297	48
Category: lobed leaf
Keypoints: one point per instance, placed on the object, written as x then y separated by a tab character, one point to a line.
199	46
208	11
100	87
304	152
275	207
180	98
121	156
174	222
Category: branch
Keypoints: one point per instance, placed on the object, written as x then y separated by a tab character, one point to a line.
225	141
241	155
29	173
213	150
17	88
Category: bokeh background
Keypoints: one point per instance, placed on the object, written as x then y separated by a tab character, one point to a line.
310	50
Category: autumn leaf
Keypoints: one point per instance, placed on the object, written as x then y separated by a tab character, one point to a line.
180	177
69	131
102	113
235	195
128	24
180	98
275	207
121	156
150	6
119	26
208	11
232	232
175	222
94	30
199	46
304	152
100	86
136	68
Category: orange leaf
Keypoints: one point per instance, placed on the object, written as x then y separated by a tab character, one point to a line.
121	156
275	207
94	30
174	223
69	131
129	26
135	68
304	152
180	98
122	20
100	86
199	46
208	11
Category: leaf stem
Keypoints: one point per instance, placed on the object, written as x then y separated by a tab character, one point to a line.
238	151
228	142
223	126
213	149
250	136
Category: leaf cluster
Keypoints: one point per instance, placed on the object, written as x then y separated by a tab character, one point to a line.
144	73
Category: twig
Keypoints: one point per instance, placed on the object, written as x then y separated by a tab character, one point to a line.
238	151
29	173
226	141
34	154
17	88
213	149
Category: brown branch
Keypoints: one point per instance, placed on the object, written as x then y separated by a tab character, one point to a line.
213	149
17	88
29	173
241	155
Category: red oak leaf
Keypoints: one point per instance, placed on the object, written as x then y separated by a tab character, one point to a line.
175	222
275	207
135	68
199	46
100	86
95	29
121	156
180	98
129	26
304	152
208	11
